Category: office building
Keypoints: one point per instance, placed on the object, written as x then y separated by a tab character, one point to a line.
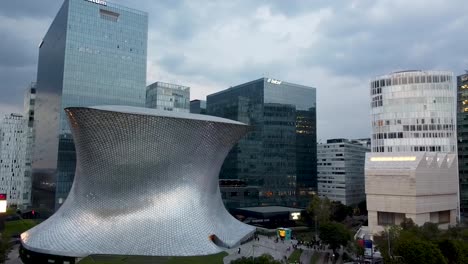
15	182
169	97
237	193
340	168
462	134
198	107
29	104
93	53
280	154
412	170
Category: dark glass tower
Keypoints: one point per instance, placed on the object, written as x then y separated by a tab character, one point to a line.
280	155
462	133
94	53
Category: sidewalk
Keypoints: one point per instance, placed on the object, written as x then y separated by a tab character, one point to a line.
258	248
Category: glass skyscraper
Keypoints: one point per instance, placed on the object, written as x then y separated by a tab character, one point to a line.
198	107
94	53
280	154
168	96
462	134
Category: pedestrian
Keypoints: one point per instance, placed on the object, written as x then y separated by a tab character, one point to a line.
238	251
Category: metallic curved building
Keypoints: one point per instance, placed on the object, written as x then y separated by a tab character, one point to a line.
146	183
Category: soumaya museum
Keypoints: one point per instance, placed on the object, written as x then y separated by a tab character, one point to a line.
170	206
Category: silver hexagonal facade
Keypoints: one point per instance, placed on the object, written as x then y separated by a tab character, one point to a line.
146	183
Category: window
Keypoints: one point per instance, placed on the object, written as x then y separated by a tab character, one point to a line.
385	218
109	15
444	217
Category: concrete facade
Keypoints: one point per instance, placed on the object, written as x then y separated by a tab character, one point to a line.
340	169
14	181
422	186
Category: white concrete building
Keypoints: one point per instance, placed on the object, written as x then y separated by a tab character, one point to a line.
169	97
340	170
13	147
412	170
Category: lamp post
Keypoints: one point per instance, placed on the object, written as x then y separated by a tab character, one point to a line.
316	231
253	253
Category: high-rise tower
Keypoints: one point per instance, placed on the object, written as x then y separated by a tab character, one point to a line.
280	155
412	171
15	182
94	53
462	132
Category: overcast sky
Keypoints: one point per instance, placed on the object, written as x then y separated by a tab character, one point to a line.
335	46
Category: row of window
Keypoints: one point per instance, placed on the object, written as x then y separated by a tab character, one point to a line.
407	148
387	218
422	121
410	80
412	135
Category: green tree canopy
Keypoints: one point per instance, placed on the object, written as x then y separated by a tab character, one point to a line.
263	259
340	211
320	208
334	234
416	251
455	251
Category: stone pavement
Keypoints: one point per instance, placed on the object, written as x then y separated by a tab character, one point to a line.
13	256
306	256
264	246
278	251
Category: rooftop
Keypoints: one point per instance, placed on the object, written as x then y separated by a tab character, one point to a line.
271	209
160	113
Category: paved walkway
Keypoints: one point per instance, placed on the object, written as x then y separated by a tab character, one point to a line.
13	256
306	256
264	246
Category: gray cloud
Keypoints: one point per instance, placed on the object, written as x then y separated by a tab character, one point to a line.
16	52
336	46
27	8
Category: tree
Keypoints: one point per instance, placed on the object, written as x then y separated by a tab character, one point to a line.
334	234
320	209
430	231
416	251
386	241
455	251
356	249
408	224
263	259
362	206
340	211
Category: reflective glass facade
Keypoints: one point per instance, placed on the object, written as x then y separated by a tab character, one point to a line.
413	111
280	154
198	107
462	131
92	54
168	96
